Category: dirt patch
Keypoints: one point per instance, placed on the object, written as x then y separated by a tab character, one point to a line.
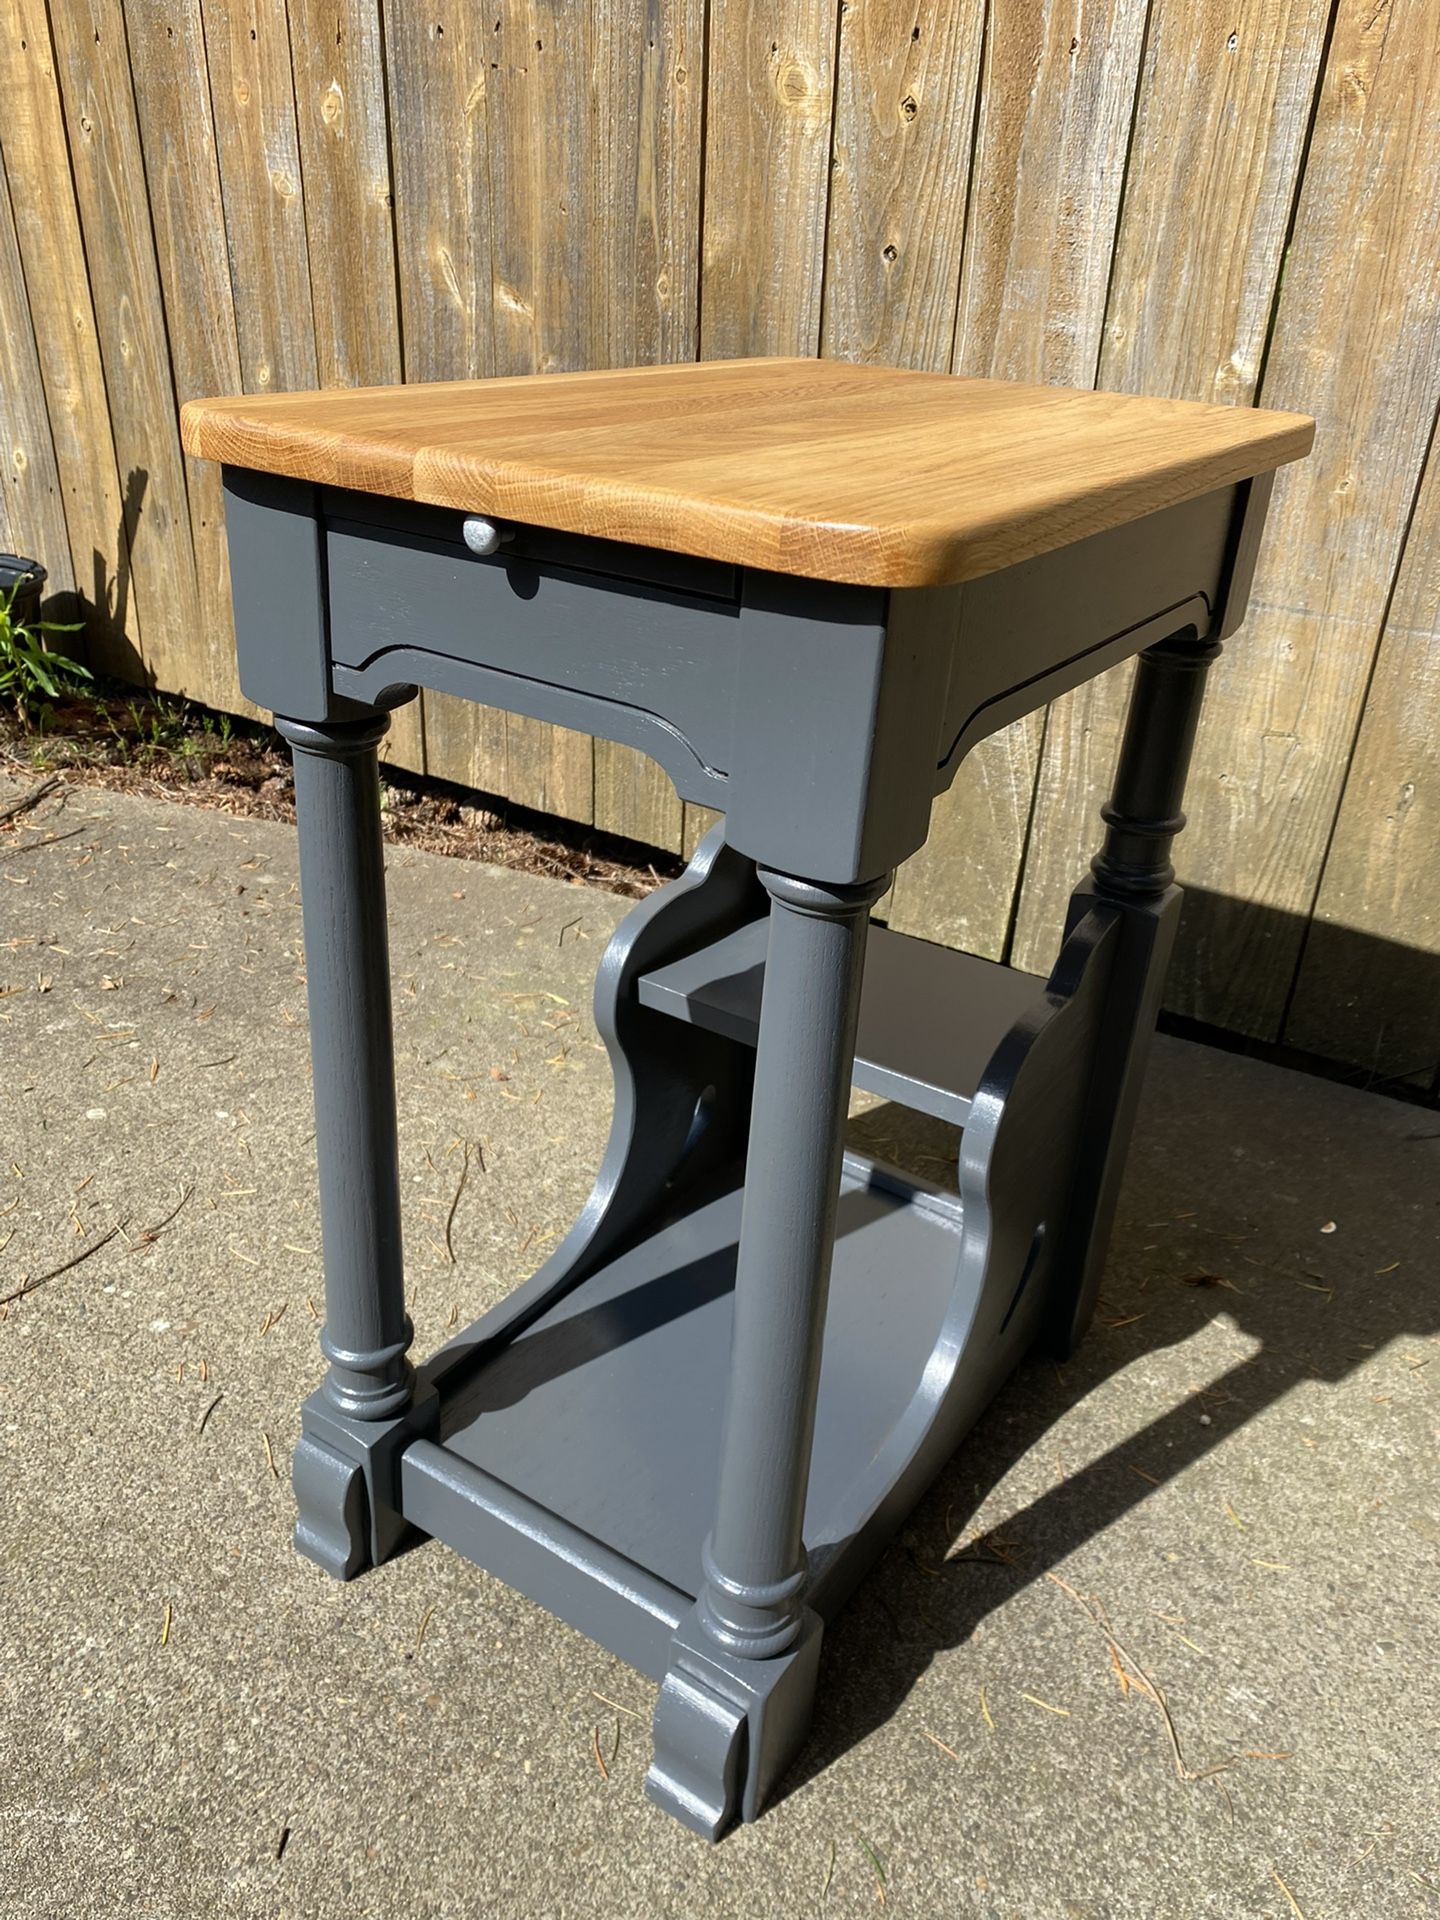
171	750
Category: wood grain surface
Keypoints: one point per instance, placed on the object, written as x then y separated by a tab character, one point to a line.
873	475
904	114
1053	109
1357	334
1214	160
770	93
1382	871
247	46
30	495
182	179
108	168
62	314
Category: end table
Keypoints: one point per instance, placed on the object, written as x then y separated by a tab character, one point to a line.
807	589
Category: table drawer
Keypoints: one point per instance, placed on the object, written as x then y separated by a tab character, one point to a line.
647	656
616	559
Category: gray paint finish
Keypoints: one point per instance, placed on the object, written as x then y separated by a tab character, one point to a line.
913	1045
659	647
807	713
607	1410
578	1577
695	1427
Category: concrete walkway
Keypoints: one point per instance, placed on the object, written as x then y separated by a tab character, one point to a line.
1211	1542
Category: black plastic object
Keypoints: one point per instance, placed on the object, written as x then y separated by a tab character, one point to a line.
24	579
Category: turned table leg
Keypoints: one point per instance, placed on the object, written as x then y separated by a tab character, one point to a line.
1133	874
737	1698
1143	814
347	1516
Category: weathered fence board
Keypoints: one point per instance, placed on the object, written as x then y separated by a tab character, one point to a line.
1155	196
645	123
30	496
437	83
109	176
110	187
345	158
182	180
904	120
258	147
1056	102
1382	873
1224	105
770	89
47	226
1356	335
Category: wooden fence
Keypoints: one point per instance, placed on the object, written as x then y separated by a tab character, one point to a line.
1235	201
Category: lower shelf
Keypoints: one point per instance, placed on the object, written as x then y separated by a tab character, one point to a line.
605	1413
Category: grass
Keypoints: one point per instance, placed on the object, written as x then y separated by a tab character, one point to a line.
31	673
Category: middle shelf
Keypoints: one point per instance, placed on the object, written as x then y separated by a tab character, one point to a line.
930	1018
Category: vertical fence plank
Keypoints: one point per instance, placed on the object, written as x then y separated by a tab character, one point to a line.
12	290
770	90
1057	99
543	289
104	140
32	518
1055	117
337	57
1219	138
649	93
1369	986
1354	344
258	148
345	157
47	224
542	174
437	77
172	105
11	540
648	116
770	96
904	123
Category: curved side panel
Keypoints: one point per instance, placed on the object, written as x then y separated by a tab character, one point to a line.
682	1095
1017	1156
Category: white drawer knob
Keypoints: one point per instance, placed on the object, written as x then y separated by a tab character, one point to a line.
483	536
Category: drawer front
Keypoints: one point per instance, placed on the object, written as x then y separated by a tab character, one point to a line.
614	558
406	601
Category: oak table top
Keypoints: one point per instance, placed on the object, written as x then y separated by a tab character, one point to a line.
874	476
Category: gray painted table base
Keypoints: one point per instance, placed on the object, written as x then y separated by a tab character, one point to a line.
691	1431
